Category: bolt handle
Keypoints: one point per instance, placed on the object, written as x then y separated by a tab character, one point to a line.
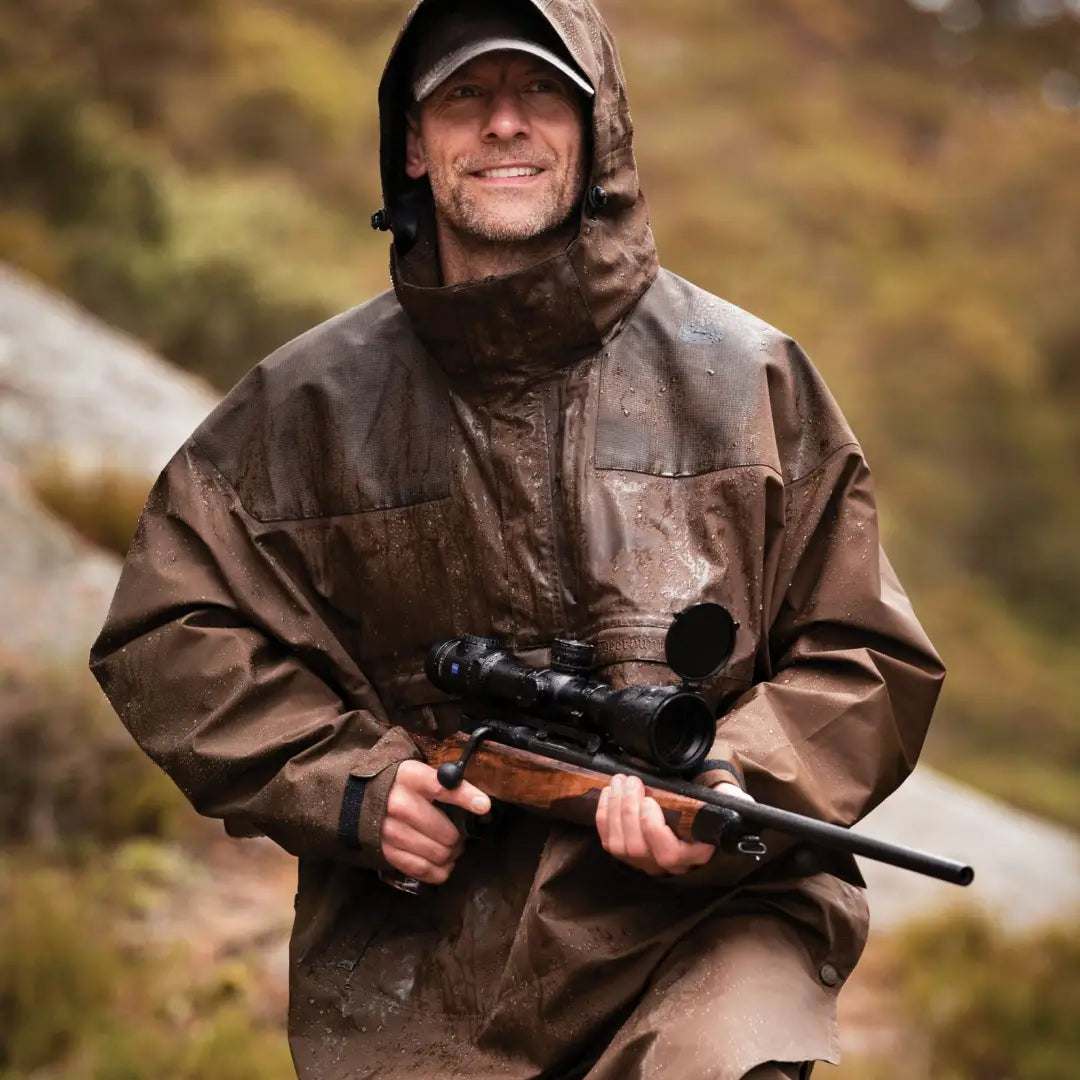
451	773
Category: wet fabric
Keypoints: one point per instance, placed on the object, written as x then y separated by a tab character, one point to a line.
582	448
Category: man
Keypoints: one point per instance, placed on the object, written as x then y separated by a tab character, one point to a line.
537	433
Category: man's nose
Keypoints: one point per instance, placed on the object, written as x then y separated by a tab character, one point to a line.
507	119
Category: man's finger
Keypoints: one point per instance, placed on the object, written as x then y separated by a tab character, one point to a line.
412	808
728	788
669	852
634	842
602	815
399	834
421	778
414	866
614	817
662	844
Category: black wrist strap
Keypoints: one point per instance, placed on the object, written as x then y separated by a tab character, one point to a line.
727	766
351	804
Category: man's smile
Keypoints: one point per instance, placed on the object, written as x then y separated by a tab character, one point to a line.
508	172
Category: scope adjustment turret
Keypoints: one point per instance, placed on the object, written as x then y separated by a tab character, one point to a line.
572	657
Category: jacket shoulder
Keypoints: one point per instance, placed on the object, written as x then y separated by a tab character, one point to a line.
696	384
347	417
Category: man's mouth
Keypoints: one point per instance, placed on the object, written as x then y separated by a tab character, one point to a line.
508	172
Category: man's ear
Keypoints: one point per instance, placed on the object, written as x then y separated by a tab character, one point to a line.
415	163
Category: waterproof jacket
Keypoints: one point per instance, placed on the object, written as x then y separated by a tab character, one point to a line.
583	448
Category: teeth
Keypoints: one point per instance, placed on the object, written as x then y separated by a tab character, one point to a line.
505	174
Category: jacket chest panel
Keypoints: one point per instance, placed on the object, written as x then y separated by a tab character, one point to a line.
535	541
489	557
655	545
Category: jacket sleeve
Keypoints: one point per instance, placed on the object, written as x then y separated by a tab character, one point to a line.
851	679
226	675
845	678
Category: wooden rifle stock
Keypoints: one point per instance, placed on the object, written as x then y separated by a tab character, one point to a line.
546	785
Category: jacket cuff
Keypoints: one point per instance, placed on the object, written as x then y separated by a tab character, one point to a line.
718	770
367	789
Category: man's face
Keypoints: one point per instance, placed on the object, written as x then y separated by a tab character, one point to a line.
502	144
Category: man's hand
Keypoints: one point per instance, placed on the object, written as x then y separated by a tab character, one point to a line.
632	829
417	838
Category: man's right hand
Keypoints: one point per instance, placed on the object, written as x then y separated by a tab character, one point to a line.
417	838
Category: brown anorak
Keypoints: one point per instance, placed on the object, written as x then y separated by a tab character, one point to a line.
584	447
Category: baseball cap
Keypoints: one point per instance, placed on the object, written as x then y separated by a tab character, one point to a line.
461	32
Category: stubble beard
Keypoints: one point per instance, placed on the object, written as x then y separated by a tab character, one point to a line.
517	219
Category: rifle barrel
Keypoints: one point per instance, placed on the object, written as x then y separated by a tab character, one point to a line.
842	839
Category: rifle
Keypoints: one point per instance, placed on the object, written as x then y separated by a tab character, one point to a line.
549	739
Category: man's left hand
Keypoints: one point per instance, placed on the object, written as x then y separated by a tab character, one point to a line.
632	829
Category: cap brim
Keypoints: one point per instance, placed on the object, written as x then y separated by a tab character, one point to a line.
459	57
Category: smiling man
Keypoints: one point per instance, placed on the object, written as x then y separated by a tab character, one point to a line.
498	133
537	433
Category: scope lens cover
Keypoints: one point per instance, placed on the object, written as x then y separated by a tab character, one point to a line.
700	641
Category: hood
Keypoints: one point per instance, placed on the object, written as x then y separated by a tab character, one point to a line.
529	323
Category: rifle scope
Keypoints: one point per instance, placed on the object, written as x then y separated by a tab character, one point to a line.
673	727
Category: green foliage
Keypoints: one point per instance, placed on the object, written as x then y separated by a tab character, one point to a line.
56	970
966	1000
993	1005
56	163
209	316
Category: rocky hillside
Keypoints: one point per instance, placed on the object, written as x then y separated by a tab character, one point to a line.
78	397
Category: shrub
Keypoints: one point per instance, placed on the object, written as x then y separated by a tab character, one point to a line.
211	316
103	506
57	971
58	162
80	1001
992	1005
70	774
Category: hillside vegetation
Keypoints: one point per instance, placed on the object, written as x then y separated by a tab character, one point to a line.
895	188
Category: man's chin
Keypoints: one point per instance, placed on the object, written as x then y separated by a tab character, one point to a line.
512	229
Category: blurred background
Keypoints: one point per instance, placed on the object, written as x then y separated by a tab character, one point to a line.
895	183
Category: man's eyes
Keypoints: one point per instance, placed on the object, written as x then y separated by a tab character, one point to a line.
535	86
464	91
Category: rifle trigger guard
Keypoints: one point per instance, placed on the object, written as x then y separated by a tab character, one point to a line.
451	773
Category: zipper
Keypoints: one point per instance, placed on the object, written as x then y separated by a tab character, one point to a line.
560	456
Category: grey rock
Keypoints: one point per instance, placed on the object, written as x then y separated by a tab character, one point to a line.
1027	871
73	388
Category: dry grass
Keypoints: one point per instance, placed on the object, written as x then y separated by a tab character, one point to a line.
78	1001
102	506
961	999
88	856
